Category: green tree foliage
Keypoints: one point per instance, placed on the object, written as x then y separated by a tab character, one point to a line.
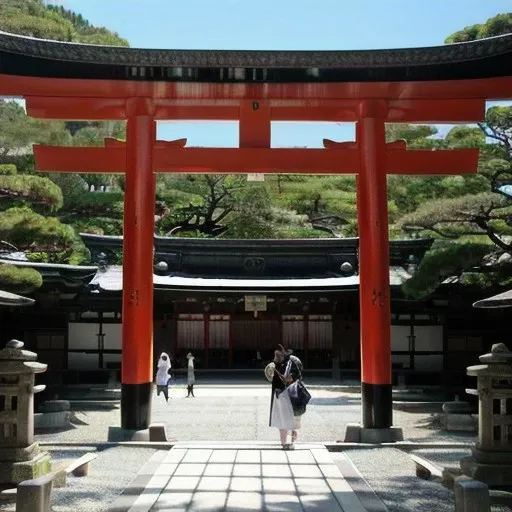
18	131
19	280
473	215
42	238
94	134
497	26
8	170
329	202
464	209
16	189
252	216
99	213
72	185
32	18
85	32
445	259
36	19
29	231
197	203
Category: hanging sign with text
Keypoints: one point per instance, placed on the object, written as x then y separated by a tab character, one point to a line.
255	303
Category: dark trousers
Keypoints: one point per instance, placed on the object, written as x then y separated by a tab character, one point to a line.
164	390
190	389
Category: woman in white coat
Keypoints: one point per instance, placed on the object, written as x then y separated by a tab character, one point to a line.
191	377
162	375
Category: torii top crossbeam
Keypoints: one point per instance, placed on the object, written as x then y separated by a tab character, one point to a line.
477	69
449	84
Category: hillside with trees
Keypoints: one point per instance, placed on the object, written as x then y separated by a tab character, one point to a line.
36	18
470	217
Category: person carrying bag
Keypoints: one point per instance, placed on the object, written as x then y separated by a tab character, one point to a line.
285	373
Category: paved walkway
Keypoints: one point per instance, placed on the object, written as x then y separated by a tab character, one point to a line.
243	477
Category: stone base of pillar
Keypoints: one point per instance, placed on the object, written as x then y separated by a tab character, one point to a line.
120	434
16	472
492	457
355	433
136	405
53	420
494	475
157	433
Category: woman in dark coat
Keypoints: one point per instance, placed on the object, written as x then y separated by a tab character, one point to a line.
282	415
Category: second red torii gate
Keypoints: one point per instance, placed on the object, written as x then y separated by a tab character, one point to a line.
369	157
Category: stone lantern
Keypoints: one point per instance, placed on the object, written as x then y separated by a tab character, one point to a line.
491	460
20	457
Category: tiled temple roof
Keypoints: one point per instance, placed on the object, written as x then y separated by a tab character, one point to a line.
110	280
262	259
11	299
60	275
503	300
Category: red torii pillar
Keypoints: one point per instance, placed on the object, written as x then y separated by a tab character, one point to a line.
138	235
374	289
369	157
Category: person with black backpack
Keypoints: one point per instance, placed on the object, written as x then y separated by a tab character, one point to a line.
286	408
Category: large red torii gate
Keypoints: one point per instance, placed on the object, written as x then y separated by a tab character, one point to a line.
256	88
369	157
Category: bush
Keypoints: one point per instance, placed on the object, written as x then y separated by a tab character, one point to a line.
104	204
19	280
31	188
97	225
28	230
8	169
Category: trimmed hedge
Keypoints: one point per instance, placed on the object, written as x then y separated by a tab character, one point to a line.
19	280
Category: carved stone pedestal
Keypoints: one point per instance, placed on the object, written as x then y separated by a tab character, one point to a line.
20	457
491	460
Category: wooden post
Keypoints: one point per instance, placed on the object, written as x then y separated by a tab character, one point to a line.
230	340
306	338
206	325
376	398
139	218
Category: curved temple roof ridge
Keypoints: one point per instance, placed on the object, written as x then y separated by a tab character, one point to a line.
74	54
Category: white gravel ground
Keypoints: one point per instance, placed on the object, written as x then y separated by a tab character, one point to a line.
110	473
391	474
241	414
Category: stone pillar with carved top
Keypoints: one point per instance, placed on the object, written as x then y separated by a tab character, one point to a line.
20	456
491	460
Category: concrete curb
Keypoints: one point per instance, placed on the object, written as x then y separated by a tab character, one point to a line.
419	407
329	445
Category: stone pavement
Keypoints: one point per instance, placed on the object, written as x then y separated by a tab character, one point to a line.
241	477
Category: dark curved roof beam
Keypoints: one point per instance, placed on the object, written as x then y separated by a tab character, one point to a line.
28	56
477	69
